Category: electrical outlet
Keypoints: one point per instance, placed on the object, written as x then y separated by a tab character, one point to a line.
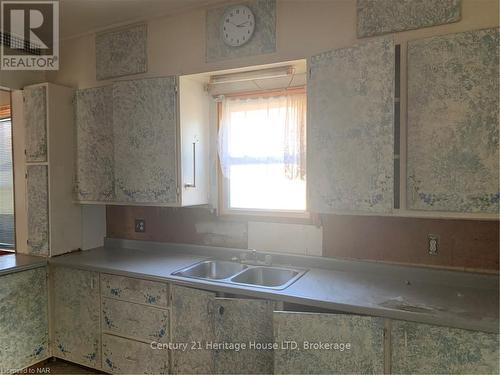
433	244
140	225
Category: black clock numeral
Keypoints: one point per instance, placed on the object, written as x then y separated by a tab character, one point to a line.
227	20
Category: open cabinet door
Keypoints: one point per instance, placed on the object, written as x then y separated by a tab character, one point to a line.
363	334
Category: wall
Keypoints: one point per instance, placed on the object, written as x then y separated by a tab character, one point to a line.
19	79
304	27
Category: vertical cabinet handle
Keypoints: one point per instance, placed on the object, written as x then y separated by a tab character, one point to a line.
193	185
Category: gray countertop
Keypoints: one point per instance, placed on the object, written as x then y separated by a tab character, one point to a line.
10	263
446	298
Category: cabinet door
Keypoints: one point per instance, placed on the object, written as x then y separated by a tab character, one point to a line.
364	335
23	320
192	324
94	139
38	209
426	349
35	123
77	334
453	131
350	141
145	135
244	321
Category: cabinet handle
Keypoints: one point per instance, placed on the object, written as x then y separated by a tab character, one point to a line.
130	359
193	185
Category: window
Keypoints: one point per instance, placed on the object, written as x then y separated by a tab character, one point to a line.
262	152
7	237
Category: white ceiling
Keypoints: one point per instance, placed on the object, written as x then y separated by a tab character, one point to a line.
82	16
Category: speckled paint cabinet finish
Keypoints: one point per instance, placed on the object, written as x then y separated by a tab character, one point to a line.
134	290
365	334
350	129
38	209
453	130
263	40
35	123
377	17
24	329
426	349
77	332
145	130
192	320
95	147
134	320
244	321
121	52
122	356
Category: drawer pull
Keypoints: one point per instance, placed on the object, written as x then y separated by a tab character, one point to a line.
130	359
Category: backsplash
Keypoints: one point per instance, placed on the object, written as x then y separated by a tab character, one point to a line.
470	245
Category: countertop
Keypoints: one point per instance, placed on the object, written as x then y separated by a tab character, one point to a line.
440	297
10	263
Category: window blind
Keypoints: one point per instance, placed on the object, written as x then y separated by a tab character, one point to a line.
6	186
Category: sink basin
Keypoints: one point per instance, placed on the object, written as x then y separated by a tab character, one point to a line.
212	269
270	277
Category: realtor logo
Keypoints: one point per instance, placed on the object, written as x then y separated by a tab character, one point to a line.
29	35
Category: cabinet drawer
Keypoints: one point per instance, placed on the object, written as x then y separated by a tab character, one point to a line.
124	356
132	319
134	290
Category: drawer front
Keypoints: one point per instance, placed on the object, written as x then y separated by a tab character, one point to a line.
134	320
134	290
124	356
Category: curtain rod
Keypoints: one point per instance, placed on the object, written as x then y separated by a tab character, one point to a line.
266	93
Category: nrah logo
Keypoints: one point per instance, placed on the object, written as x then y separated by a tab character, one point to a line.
30	35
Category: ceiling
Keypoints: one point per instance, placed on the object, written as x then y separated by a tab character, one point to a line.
82	16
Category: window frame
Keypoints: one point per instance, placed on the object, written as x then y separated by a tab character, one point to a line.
284	216
3	249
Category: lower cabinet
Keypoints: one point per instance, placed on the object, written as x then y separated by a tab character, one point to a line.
24	336
77	331
424	349
151	327
314	343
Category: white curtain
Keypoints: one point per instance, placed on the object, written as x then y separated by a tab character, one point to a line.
264	130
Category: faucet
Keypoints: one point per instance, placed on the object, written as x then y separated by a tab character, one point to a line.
251	257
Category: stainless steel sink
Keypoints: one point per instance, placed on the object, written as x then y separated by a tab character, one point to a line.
241	274
211	269
270	277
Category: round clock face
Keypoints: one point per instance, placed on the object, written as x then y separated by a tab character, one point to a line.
238	25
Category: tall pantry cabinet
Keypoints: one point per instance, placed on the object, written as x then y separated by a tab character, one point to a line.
48	222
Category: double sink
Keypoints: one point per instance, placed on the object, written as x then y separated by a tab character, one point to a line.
242	274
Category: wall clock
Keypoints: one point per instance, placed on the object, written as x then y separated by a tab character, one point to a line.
237	26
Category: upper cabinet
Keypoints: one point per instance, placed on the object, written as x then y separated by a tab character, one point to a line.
48	222
350	150
453	160
35	124
143	142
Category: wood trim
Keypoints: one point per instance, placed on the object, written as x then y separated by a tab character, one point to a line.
275	216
